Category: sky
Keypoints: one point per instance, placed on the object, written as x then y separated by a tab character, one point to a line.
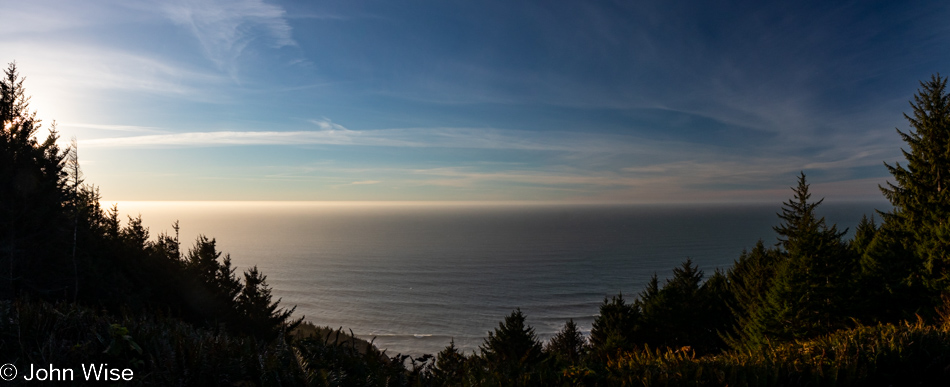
549	101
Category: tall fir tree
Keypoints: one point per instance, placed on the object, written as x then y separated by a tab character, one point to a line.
920	197
813	289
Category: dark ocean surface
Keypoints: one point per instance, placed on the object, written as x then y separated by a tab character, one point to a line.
416	276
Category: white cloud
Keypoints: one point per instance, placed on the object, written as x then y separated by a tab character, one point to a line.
54	68
331	133
222	138
325	124
226	27
115	128
361	182
552	177
29	18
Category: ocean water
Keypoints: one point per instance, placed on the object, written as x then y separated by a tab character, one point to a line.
415	276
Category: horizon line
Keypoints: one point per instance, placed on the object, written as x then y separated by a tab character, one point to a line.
474	202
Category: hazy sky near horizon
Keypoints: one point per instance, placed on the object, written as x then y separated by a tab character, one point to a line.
583	101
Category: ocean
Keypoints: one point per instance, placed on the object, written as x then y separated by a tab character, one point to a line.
416	276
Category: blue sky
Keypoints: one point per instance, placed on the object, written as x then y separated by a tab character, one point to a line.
591	101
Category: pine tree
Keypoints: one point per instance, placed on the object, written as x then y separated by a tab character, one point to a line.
568	345
864	234
167	246
920	193
614	327
686	312
255	304
135	234
800	221
218	276
215	287
716	319
512	352
651	290
812	292
74	173
671	316
450	366
749	280
33	220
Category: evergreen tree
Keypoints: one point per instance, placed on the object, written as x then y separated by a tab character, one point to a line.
568	346
812	293
135	234
715	298
800	221
214	286
450	366
651	290
686	312
671	315
614	327
218	276
864	234
74	175
891	287
920	193
54	236
33	219
261	314
512	352
749	280
168	247
883	293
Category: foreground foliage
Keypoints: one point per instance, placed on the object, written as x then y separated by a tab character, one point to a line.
882	355
166	351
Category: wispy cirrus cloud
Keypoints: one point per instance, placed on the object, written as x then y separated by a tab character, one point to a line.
457	177
330	133
112	128
591	160
225	27
99	68
356	183
328	125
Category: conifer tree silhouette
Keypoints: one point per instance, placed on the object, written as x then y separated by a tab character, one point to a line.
921	191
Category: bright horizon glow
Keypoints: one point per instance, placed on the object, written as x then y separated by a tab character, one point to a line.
554	102
297	205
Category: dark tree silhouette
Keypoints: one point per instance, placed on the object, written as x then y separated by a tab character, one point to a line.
32	215
813	289
749	280
614	326
568	346
512	352
258	310
920	193
451	367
